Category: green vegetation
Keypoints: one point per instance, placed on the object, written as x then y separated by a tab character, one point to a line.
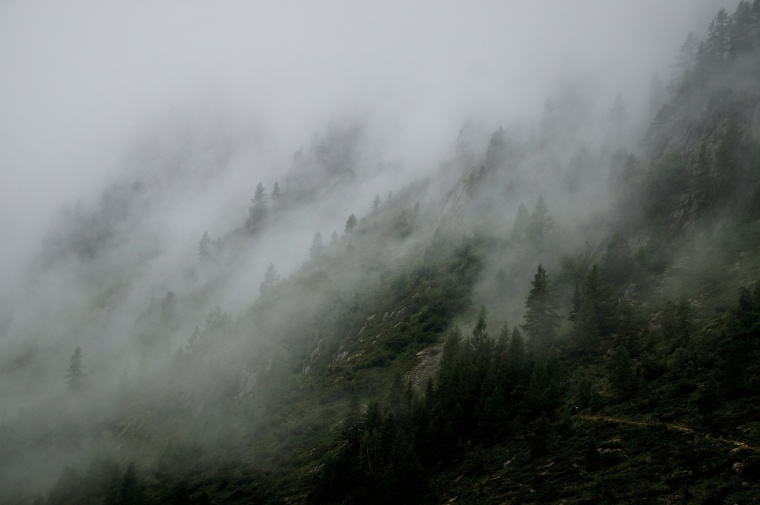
373	374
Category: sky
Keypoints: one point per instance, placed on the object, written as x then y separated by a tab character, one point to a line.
82	80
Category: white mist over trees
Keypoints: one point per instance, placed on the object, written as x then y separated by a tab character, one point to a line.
174	175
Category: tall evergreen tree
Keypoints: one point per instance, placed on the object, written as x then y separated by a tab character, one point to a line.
350	224
270	279
516	362
204	247
575	307
481	344
257	212
741	30
540	221
521	224
541	317
718	43
496	153
75	373
622	373
317	246
588	321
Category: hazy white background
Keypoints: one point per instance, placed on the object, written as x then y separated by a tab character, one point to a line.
81	80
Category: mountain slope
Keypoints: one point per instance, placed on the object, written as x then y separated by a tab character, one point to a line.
569	321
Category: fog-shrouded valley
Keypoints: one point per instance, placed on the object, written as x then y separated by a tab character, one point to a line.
495	252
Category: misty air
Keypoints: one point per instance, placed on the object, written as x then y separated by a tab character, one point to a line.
379	252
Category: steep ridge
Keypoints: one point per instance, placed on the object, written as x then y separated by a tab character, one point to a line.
624	366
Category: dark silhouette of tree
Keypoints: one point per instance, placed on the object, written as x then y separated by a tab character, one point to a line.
683	68
742	29
540	221
521	224
204	247
350	224
317	246
516	361
622	373
541	317
588	320
575	307
270	280
75	374
496	154
127	490
257	212
376	204
718	44
480	341
276	192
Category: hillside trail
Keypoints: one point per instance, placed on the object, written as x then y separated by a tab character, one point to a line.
669	426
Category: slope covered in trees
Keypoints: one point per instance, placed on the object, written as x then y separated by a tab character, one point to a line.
601	347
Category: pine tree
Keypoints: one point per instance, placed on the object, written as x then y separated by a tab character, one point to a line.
622	374
317	246
204	247
270	279
540	222
521	224
541	317
350	224
741	30
588	323
683	69
496	153
74	374
575	307
257	212
276	192
516	361
718	43
480	342
376	204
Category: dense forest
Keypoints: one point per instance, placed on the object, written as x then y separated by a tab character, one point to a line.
524	326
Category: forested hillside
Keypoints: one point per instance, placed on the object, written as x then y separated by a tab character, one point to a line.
559	314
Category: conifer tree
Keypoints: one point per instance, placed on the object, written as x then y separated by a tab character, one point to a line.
75	374
622	374
516	357
717	44
480	340
521	224
540	221
270	279
497	149
575	307
588	321
618	262
317	246
541	317
257	212
683	69
350	224
204	247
